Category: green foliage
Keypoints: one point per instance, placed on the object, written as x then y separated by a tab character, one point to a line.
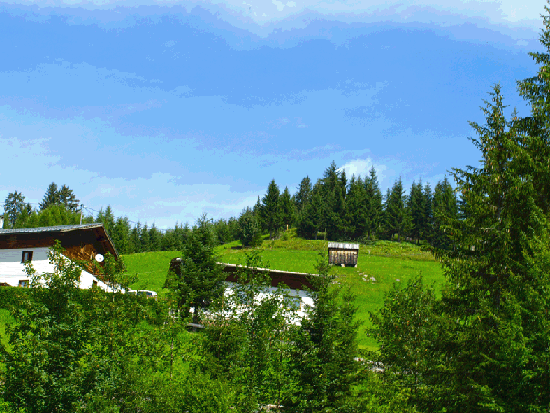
63	196
249	229
286	207
199	279
324	350
396	216
271	210
15	208
303	196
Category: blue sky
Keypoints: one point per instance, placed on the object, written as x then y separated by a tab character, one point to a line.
169	109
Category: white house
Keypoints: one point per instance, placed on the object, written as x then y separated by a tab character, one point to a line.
297	284
81	242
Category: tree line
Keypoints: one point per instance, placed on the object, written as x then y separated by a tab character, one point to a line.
354	210
333	207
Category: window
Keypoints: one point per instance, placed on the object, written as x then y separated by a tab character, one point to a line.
23	283
27	257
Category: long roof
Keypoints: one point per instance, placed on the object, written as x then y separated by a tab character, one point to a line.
60	229
55	228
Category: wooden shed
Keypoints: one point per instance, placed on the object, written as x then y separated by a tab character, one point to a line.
343	254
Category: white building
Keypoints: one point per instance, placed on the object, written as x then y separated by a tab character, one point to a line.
295	282
81	242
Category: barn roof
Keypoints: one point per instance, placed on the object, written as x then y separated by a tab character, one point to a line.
98	228
343	246
56	228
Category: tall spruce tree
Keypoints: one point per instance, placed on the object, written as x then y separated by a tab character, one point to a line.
397	218
286	208
416	210
68	199
51	197
373	203
271	212
199	279
356	209
303	196
427	215
444	206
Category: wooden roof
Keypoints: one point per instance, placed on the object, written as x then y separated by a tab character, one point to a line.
294	280
68	235
343	246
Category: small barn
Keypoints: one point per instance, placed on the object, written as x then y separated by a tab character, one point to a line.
343	254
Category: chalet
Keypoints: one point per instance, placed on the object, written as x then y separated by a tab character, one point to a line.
343	254
81	242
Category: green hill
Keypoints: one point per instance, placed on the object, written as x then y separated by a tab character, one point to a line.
387	262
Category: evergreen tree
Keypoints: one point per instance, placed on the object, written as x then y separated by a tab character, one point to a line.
51	197
135	242
199	279
249	229
155	238
14	207
356	209
333	207
286	209
427	216
68	198
444	206
303	196
396	214
325	349
144	241
416	210
309	220
373	203
270	212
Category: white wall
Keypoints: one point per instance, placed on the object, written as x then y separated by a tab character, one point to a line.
12	270
304	299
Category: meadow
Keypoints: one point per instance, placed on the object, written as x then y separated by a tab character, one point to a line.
381	265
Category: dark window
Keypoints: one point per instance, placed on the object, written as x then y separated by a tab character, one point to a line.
23	283
27	256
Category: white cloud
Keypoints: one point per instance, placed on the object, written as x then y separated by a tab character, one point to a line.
279	4
362	167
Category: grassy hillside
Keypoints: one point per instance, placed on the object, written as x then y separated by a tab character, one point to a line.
388	262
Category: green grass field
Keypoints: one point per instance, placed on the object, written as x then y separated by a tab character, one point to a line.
388	262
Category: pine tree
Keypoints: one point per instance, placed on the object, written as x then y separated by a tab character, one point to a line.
325	349
310	219
416	210
356	209
155	238
14	206
270	212
249	229
135	242
444	206
199	280
427	215
303	196
51	197
373	204
396	214
144	241
68	198
286	209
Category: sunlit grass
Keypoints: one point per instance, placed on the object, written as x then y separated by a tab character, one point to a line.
380	266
